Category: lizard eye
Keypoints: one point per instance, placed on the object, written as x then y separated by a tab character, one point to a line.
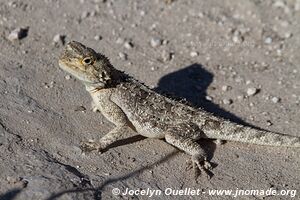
87	60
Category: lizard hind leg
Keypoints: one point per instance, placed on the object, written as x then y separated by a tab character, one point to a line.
191	147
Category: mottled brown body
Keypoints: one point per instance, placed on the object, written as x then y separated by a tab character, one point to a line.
155	114
129	104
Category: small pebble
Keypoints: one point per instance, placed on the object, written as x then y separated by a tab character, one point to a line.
268	40
194	54
51	84
18	34
225	88
120	41
164	42
227	101
80	108
269	123
153	68
153	27
240	97
208	98
93	13
252	91
166	56
59	39
142	13
123	56
238	38
128	45
279	52
85	14
67	77
288	35
98	37
275	99
155	42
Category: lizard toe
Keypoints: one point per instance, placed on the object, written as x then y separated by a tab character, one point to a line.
201	166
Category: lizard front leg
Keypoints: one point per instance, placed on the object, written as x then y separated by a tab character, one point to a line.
111	137
186	142
114	114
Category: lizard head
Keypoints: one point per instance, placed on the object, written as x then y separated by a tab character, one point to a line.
91	68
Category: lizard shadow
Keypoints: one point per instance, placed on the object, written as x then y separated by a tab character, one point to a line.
191	83
11	194
125	141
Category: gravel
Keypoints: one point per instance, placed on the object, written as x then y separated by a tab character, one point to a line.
18	34
268	40
252	91
194	54
225	88
123	56
59	39
128	45
166	56
120	41
67	77
155	42
275	99
98	37
227	101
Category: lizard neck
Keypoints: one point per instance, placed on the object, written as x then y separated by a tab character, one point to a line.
115	77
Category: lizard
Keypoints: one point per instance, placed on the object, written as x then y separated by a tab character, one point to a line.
129	104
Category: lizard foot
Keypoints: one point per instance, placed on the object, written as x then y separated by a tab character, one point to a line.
90	145
201	166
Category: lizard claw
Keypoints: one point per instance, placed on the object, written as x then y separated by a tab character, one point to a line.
200	164
89	146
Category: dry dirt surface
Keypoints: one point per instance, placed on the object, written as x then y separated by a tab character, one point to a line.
237	59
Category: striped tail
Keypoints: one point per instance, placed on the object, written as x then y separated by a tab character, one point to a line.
226	130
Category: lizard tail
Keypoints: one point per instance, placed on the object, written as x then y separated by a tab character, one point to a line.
227	130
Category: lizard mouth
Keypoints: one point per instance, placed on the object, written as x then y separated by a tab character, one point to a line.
80	74
75	71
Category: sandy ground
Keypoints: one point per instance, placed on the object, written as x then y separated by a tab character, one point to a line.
216	54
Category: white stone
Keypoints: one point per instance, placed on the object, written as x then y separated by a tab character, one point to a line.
252	91
194	54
